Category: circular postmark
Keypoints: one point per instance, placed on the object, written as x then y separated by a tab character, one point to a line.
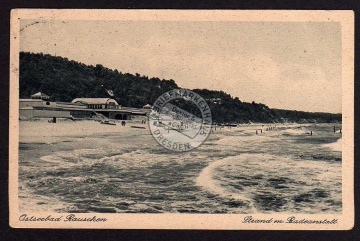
178	129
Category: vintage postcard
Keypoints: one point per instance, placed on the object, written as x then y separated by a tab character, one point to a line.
177	119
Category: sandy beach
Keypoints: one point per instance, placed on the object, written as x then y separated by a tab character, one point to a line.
41	131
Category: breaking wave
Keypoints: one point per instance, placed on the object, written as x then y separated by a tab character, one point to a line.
269	183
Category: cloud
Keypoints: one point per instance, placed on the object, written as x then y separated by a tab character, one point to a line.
284	65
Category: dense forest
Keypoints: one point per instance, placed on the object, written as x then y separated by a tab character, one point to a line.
65	80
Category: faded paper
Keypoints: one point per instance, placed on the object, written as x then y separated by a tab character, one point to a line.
220	50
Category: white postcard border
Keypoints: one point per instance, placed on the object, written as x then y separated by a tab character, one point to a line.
345	220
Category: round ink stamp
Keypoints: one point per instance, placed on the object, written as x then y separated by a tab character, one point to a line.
178	129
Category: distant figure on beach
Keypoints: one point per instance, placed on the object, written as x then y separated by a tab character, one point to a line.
123	123
53	120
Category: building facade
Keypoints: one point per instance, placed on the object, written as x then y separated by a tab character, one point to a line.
98	103
40	106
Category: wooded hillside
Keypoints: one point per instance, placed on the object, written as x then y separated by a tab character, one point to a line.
65	80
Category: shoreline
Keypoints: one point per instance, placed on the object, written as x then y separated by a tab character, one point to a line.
41	131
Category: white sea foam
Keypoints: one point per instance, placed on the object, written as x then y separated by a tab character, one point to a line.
335	146
233	172
208	181
31	202
298	131
77	157
296	177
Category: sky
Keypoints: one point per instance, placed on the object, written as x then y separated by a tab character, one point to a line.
286	65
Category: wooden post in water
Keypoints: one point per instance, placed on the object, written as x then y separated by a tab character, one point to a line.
310	133
334	129
54	119
256	132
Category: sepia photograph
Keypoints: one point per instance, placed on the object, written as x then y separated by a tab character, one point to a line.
181	119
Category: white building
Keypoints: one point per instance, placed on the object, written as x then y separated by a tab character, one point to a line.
98	103
40	96
40	106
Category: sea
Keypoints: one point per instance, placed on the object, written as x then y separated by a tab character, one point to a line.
283	168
